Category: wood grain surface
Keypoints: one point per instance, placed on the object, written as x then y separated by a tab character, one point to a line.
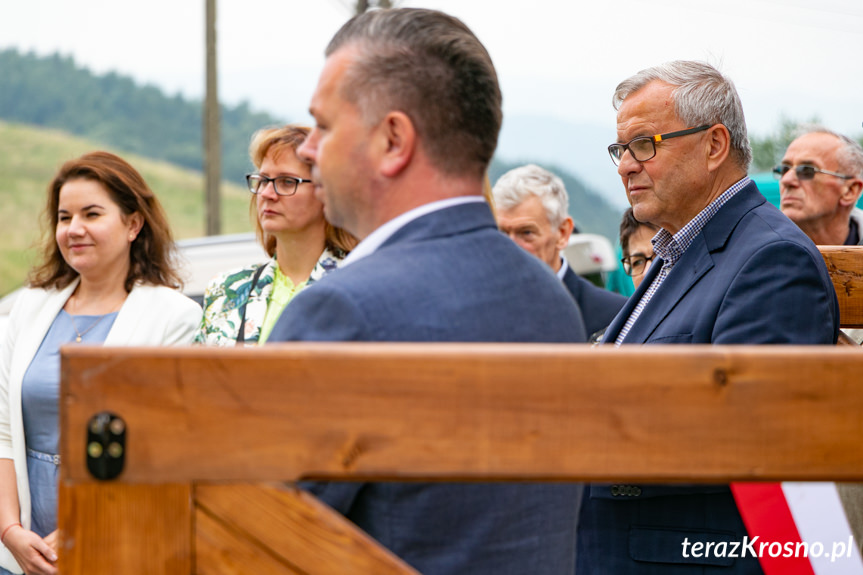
281	529
111	528
470	412
845	264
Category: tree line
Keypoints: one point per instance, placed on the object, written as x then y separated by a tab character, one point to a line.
54	92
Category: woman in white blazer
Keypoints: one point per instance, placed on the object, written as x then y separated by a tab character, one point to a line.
106	277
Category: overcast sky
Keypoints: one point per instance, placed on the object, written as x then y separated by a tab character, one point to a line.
555	58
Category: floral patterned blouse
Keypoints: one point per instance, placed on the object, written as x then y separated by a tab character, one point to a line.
226	293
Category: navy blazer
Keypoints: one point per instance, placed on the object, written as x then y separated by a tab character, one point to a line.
750	276
449	276
598	306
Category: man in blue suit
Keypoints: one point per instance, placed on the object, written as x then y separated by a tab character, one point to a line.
730	269
533	210
407	112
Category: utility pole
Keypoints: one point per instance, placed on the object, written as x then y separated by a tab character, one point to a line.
212	145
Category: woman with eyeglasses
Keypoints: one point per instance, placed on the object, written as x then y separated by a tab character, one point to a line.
637	249
106	277
242	306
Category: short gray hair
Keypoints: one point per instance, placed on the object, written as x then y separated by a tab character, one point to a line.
702	95
514	187
849	156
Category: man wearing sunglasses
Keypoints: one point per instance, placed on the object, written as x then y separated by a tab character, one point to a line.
820	183
729	269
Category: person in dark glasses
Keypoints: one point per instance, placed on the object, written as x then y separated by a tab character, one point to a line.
729	269
820	179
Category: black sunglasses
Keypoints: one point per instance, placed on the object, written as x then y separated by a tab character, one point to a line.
805	172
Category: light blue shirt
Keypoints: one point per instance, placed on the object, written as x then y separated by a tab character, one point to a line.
40	388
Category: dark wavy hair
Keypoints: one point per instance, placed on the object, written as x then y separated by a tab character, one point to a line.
628	226
152	255
274	142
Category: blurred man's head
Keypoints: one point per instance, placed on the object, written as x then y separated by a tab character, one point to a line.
533	209
820	183
408	100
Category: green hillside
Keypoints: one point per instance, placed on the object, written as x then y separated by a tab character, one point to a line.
45	100
29	158
55	92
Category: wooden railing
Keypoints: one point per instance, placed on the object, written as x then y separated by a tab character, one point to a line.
845	264
211	435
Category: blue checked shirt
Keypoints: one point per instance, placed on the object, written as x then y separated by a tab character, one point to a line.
671	247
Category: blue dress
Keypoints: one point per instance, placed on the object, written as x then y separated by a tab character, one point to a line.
40	399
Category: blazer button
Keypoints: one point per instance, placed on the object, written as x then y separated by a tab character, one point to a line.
625	491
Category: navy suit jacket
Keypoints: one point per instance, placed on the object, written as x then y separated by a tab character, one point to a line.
598	306
449	276
751	276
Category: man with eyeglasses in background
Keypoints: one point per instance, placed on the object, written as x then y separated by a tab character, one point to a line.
729	269
820	183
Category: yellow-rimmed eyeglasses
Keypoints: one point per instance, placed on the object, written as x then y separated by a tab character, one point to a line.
643	148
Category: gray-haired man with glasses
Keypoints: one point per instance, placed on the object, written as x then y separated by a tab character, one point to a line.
820	179
729	269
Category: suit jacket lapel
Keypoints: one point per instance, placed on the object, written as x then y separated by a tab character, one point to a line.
620	319
31	337
695	262
691	267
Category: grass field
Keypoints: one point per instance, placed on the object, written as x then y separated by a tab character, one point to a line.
29	158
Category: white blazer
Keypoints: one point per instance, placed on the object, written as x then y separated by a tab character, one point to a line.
150	316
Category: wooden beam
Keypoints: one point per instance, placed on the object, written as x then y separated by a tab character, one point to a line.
111	528
472	411
221	550
281	529
845	264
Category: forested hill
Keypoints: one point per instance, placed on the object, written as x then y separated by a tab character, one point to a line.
54	92
114	111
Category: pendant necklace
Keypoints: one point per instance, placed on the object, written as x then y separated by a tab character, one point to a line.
81	334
